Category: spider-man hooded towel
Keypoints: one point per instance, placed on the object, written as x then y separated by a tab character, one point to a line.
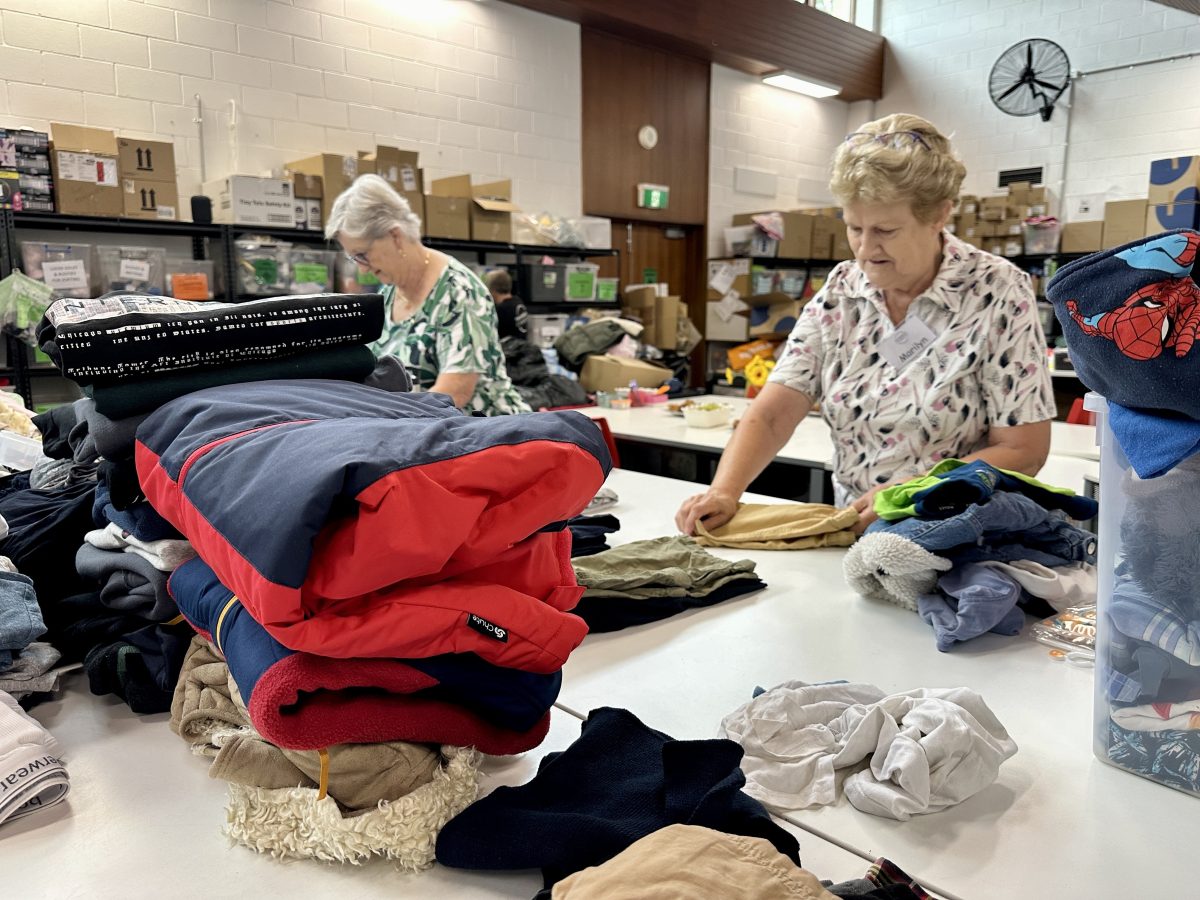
1130	316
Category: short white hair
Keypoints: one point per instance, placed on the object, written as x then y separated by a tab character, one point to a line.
369	209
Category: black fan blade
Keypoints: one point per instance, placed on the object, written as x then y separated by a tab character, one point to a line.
1029	55
1050	87
1009	91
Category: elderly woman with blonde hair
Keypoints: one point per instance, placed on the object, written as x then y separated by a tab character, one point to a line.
441	321
921	348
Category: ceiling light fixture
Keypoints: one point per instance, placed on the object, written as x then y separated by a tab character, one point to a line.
790	81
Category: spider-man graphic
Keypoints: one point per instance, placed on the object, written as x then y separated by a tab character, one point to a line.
1163	314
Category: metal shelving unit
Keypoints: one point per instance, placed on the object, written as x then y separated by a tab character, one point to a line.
217	240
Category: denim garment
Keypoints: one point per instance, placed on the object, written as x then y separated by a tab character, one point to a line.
972	600
20	616
1008	526
1136	614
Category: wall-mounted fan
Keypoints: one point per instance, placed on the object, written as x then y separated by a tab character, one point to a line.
1029	77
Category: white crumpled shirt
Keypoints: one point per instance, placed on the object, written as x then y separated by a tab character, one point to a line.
916	752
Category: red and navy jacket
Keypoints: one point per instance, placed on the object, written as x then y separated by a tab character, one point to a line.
354	522
303	702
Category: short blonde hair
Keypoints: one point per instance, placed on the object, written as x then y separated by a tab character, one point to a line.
369	209
900	158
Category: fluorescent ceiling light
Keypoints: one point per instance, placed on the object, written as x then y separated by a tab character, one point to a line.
792	82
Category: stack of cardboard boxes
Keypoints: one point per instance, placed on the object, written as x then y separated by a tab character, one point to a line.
148	179
997	223
25	182
1174	195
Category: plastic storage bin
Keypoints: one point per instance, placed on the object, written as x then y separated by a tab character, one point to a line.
124	268
581	281
311	270
543	284
191	279
263	268
18	453
1148	617
353	280
608	289
65	267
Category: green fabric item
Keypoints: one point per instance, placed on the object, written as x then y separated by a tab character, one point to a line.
661	567
122	399
895	502
576	343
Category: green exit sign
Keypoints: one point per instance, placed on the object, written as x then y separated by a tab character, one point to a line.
653	196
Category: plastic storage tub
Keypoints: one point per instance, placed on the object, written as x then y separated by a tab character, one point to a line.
543	284
311	270
581	281
65	267
263	269
191	279
18	453
141	269
1148	617
351	279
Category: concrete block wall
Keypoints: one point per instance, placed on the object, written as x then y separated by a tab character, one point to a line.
768	130
940	54
484	88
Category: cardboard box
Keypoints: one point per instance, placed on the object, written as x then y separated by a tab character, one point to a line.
841	245
797	234
448	208
1013	226
741	276
337	173
1124	221
491	211
86	174
738	357
143	199
718	328
1162	217
607	373
825	232
993	209
250	200
659	315
146	160
1081	237
307	191
1174	180
777	319
968	204
400	169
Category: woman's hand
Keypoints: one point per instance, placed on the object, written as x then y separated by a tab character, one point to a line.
865	506
714	506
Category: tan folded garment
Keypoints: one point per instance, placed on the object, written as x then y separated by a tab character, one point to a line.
697	863
782	526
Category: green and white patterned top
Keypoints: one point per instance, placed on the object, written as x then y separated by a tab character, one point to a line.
454	331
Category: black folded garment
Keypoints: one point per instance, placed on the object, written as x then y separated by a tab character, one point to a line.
123	335
619	782
135	396
604	614
589	533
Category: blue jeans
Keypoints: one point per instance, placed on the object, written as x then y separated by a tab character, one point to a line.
1006	527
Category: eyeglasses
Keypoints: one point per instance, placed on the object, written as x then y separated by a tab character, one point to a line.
359	259
892	138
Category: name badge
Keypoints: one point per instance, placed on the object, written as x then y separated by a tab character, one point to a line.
911	338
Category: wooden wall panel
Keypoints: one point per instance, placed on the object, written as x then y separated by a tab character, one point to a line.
627	85
754	36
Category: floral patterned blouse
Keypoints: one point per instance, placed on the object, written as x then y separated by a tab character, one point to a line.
987	366
454	330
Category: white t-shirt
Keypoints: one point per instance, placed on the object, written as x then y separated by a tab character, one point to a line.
987	366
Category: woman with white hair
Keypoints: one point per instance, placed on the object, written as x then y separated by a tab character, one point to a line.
441	322
921	348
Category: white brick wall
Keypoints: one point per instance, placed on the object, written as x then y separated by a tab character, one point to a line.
940	55
770	130
450	78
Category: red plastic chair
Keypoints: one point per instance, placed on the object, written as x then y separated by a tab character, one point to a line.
1080	416
602	424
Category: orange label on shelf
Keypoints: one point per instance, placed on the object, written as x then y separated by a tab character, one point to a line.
190	286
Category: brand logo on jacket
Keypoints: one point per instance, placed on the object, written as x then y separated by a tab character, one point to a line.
486	628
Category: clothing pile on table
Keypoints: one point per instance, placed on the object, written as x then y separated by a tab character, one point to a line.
973	549
645	581
909	753
367	580
1125	314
